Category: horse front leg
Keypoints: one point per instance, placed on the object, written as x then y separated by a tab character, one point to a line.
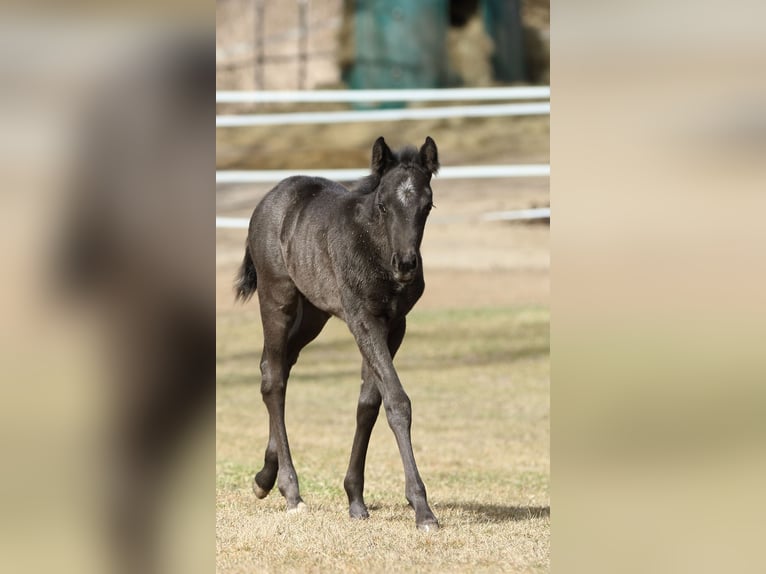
366	416
371	336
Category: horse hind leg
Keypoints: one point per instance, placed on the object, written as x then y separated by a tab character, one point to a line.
366	416
264	479
306	325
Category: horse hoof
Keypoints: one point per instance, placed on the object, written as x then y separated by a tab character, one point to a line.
299	508
260	492
358	512
428	527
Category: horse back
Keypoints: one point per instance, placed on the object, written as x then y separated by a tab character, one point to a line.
289	229
296	194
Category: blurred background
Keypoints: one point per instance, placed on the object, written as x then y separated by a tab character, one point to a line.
271	45
107	332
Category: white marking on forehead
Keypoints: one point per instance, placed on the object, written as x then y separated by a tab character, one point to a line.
405	191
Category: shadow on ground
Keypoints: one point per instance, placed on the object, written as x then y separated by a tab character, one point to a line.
496	512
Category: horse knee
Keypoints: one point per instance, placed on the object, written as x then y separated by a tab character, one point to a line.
399	410
367	408
399	403
272	381
271	388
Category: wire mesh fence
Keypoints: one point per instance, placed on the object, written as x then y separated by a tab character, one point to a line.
277	44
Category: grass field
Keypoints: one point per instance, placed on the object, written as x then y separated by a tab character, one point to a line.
479	384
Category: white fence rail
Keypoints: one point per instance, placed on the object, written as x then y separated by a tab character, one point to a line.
517	215
348	116
372	96
389	115
447	172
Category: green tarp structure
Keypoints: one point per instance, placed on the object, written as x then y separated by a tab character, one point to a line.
403	44
399	44
502	20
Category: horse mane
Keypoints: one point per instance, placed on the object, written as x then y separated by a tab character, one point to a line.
406	157
365	185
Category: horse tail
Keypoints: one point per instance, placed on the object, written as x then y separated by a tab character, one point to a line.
246	280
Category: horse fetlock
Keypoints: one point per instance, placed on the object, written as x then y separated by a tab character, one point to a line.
416	497
263	482
259	491
353	485
419	505
287	483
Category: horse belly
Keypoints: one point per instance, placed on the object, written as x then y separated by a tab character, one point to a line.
311	271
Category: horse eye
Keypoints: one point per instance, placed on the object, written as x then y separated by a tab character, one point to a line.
382	208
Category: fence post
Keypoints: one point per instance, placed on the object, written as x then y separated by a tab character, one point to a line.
303	42
258	31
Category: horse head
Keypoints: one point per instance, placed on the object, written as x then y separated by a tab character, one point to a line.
403	200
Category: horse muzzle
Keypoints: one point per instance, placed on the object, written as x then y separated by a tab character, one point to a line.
405	266
404	277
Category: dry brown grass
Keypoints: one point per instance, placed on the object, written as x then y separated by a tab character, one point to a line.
522	139
479	383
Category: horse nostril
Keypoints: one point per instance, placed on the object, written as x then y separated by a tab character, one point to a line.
404	264
409	263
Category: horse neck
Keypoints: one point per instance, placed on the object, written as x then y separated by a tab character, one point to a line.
366	185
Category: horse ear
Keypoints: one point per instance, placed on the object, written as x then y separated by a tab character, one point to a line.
429	155
381	156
